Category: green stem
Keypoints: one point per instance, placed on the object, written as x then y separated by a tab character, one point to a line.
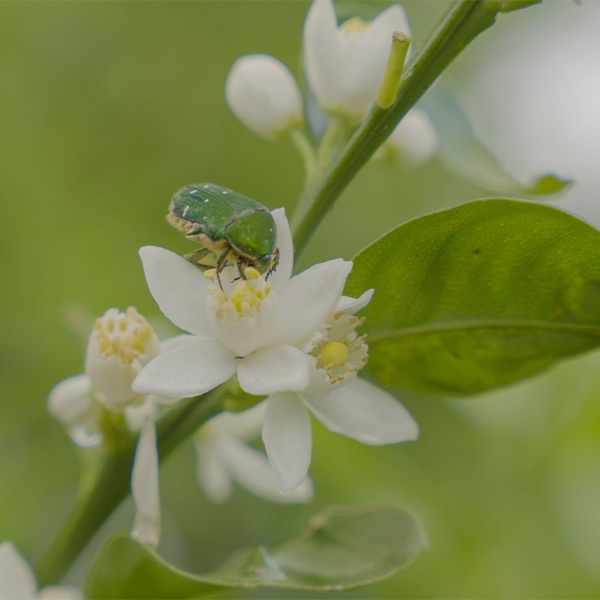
330	139
454	31
102	489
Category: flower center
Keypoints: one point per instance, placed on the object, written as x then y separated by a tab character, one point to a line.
241	298
335	353
341	352
126	334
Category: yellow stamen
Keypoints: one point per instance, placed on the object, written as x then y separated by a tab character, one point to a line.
128	339
243	293
251	273
210	273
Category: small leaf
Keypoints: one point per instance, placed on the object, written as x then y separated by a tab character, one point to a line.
343	548
479	296
463	153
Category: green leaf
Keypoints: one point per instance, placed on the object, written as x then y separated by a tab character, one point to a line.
343	548
480	295
464	154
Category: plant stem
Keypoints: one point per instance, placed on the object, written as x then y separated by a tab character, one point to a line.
104	487
464	20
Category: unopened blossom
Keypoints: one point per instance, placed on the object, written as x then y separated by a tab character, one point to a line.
414	141
263	94
336	396
18	581
120	344
255	328
345	63
225	457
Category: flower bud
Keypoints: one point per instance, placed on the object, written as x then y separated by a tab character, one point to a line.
120	344
414	141
263	94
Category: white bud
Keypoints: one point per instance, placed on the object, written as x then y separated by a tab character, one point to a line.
263	94
414	141
120	345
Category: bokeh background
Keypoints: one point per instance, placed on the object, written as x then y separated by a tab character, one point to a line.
106	108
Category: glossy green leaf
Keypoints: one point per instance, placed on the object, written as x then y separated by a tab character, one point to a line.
342	548
480	295
463	153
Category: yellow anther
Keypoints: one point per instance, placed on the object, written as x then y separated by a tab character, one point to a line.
210	273
243	293
124	334
251	273
335	353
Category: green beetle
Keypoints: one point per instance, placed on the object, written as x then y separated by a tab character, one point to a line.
233	229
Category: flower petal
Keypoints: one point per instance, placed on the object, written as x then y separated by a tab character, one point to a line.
364	412
178	287
17	581
353	305
309	298
252	471
276	368
322	54
137	415
189	370
366	60
246	424
211	473
60	592
145	489
288	439
71	403
285	243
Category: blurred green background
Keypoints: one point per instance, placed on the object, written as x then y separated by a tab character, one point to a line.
107	108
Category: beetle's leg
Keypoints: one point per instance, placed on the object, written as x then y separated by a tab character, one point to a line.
241	270
274	263
221	266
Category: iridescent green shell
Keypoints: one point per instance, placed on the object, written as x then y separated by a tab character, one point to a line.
225	223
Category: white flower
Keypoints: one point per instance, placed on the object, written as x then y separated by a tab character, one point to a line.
342	402
120	344
345	65
224	457
414	141
18	582
263	94
292	338
254	328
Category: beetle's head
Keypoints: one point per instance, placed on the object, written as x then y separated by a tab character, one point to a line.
267	263
252	237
